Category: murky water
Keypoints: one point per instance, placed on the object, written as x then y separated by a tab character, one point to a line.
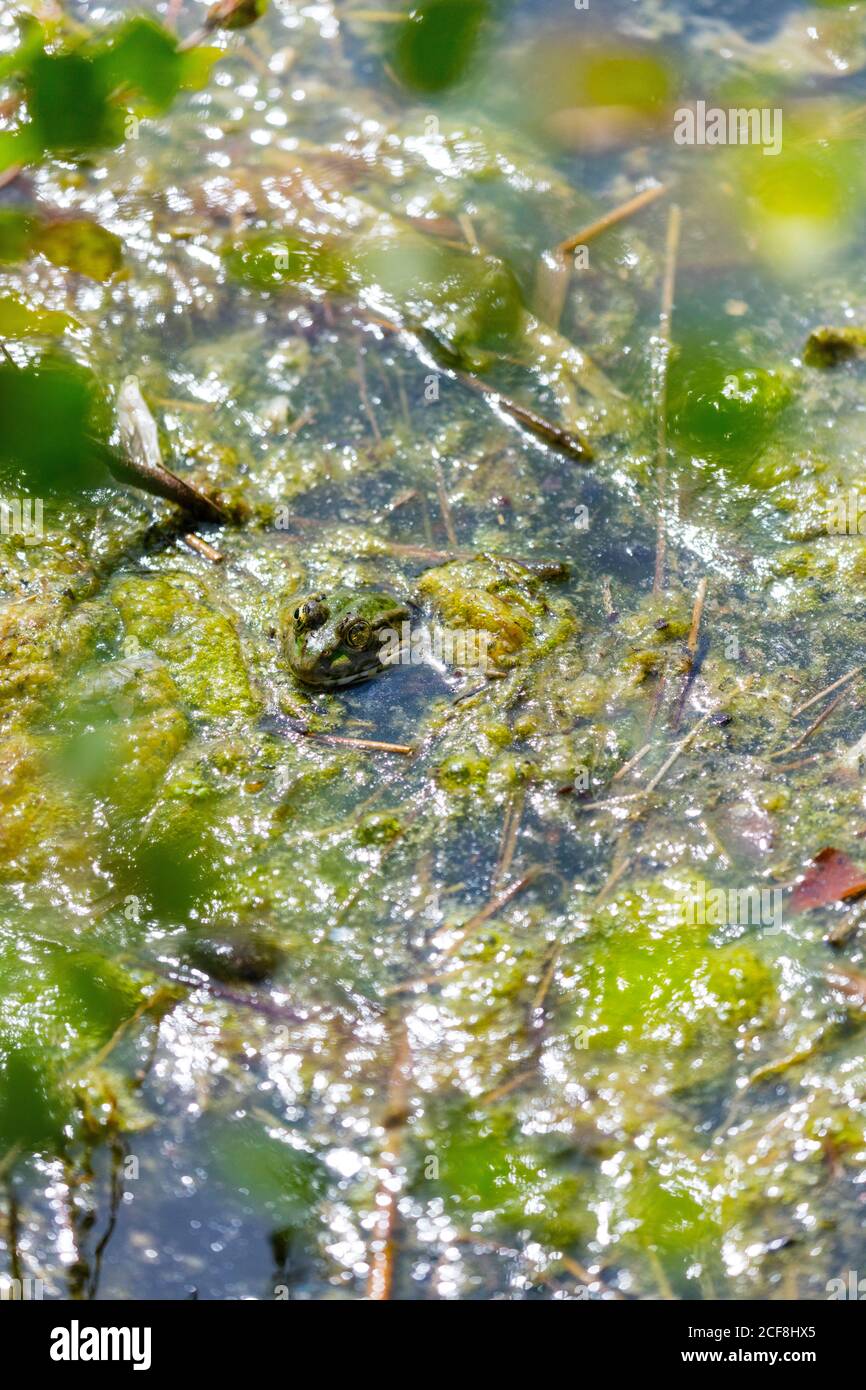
505	1016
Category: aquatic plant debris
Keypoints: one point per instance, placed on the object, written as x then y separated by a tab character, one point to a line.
830	878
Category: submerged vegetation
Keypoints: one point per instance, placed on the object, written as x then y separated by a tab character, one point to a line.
421	987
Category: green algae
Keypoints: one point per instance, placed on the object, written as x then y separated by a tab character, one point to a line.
648	980
199	646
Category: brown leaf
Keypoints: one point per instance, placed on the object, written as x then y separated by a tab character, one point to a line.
830	877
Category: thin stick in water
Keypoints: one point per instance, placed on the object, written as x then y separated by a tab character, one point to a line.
610	219
444	504
692	647
209	552
828	690
671	248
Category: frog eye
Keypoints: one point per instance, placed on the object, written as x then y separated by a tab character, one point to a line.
310	614
357	634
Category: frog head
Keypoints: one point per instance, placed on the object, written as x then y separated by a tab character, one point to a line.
339	637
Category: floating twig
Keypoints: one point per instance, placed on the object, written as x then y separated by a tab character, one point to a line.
444	504
567	441
851	983
781	1064
828	690
510	827
697	611
380	1281
372	745
542	569
490	909
610	219
631	764
691	647
306	415
813	727
201	547
142	463
678	750
554	272
662	772
365	397
607	599
671	248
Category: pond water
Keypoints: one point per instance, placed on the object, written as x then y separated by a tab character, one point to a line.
497	1010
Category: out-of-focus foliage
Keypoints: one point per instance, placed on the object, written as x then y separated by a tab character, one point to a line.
591	95
437	43
54	426
19	320
468	301
287	1181
58	1005
721	407
81	98
76	244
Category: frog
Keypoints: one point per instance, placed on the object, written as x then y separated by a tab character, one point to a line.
341	636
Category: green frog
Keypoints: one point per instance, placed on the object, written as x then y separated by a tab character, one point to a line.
342	636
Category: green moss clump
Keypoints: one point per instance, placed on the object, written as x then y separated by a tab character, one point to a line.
502	597
827	347
722	409
649	980
170	616
379	828
462	771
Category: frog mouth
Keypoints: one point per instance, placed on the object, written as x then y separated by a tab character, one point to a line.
326	680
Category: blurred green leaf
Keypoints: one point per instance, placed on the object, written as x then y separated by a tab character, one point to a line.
142	57
16	235
196	66
267	260
82	246
31	1112
53	432
722	408
79	100
288	1181
624	77
18	320
77	244
68	98
19	147
58	1006
172	876
437	43
31	41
